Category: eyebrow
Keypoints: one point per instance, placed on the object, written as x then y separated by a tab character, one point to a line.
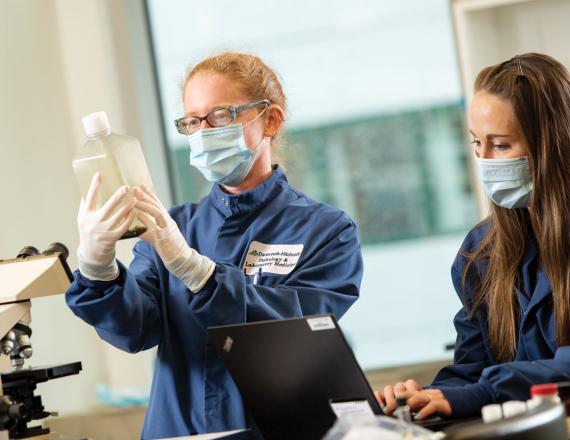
492	135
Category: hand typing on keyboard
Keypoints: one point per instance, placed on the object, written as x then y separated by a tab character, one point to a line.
424	402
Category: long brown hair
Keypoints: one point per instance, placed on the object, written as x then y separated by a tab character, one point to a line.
538	88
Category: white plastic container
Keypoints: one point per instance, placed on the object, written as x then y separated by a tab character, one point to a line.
119	159
492	413
513	408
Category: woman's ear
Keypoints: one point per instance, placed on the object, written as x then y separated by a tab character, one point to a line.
275	118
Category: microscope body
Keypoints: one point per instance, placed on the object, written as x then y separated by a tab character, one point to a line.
15	332
30	275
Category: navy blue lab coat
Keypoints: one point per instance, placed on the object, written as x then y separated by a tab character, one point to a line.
476	378
192	392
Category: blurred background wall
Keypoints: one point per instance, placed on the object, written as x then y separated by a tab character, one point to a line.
62	59
377	93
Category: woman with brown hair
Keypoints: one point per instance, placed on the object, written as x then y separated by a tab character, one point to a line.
512	273
255	248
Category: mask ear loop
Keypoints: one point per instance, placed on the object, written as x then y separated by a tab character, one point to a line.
256	118
256	149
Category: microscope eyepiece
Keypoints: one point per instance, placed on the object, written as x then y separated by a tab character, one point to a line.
28	251
57	247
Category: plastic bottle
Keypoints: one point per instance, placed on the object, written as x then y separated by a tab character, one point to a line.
541	393
119	159
564	394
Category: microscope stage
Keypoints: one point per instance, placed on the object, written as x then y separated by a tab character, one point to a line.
41	374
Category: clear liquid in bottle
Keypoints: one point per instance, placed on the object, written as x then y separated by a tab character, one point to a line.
119	159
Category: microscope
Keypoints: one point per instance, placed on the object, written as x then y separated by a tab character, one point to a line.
30	275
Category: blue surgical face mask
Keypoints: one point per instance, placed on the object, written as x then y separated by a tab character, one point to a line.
221	154
507	182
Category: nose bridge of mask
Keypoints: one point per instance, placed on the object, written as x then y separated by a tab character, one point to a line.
215	131
504	170
217	138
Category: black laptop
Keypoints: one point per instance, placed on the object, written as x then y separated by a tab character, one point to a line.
294	374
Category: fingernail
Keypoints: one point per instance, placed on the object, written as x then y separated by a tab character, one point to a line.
384	408
418	416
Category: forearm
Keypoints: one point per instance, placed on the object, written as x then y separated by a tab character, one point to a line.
107	271
467	400
459	374
123	314
512	380
503	382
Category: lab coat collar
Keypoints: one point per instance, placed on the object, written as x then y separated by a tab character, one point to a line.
529	282
230	205
542	288
531	250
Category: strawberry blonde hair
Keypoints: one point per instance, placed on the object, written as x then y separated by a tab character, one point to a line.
254	78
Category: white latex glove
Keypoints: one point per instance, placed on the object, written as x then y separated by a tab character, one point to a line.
163	234
100	229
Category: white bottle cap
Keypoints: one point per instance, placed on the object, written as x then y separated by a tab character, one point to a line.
491	413
513	408
96	123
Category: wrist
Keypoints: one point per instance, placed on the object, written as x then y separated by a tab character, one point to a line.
171	245
175	257
192	268
467	400
98	271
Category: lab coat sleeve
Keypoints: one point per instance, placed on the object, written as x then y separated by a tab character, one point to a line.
508	381
512	380
462	384
327	282
476	379
125	312
471	356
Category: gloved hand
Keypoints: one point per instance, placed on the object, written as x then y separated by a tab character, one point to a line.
163	234
100	229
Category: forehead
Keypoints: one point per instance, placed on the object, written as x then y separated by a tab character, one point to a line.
490	114
206	90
